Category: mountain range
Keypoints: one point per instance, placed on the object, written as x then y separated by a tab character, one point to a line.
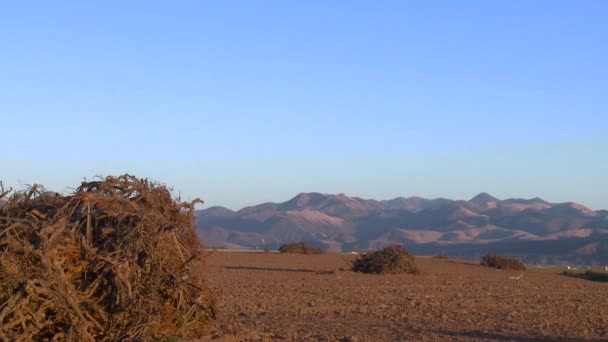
533	229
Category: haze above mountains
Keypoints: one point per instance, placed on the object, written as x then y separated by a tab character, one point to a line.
531	228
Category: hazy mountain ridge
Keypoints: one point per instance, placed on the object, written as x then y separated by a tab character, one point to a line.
344	223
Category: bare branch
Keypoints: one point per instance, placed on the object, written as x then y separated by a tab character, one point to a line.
3	191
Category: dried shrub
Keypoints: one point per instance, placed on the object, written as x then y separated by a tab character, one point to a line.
118	259
393	259
502	263
299	248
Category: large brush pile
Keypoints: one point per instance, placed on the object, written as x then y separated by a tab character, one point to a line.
118	259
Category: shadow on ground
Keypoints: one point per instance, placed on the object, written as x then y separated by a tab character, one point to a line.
301	270
503	337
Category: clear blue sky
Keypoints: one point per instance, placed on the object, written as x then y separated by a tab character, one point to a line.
240	102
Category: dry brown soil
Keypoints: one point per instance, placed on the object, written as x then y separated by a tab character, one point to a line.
267	297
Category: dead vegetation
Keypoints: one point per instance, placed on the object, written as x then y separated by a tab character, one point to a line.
394	259
502	263
299	247
118	259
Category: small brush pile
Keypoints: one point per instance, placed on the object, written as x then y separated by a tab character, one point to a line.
394	259
502	263
299	247
118	259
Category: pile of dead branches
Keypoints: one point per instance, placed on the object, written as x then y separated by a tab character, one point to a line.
299	247
393	259
501	262
118	259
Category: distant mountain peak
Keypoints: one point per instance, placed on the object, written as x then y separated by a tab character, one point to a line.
303	198
483	198
309	200
581	208
218	211
343	223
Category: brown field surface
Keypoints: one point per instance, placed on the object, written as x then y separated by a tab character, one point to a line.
267	297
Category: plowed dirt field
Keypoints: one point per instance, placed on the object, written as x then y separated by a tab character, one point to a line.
268	297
